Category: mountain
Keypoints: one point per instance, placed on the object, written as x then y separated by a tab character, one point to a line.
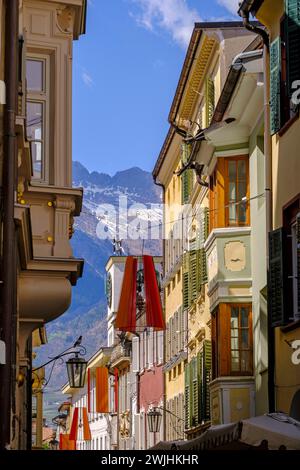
102	193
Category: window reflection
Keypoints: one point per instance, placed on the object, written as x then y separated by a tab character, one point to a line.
34	75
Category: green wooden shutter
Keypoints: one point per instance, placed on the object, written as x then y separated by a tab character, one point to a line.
186	282
292	10
275	75
200	384
187	401
187	175
298	259
193	275
206	380
210	100
195	393
276	291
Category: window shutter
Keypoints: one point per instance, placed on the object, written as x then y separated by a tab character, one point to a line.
210	100
186	284
160	347
193	275
150	348
187	175
168	342
142	345
177	332
195	393
275	67
200	381
187	402
277	278
135	354
298	259
292	9
206	380
182	328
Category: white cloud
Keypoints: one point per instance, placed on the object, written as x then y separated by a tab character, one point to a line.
87	79
174	16
230	5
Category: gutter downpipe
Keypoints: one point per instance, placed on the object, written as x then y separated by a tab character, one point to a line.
268	189
7	371
164	337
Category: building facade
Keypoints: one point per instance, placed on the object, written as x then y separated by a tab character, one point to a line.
188	211
39	203
281	21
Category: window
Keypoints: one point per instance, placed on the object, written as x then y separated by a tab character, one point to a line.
240	339
285	67
229	193
37	109
232	348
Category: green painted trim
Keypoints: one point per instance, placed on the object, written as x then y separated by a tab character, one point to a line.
225	148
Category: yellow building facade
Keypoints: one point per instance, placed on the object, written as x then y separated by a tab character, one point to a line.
188	338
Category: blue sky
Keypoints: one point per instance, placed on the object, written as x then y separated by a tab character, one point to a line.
126	69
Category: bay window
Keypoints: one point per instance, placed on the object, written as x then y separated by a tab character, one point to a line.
37	108
229	193
232	346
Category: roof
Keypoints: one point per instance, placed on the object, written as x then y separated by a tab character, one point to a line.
163	152
184	76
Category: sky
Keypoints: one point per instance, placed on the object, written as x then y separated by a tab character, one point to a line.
125	72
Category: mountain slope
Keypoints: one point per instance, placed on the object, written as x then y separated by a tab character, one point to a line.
87	314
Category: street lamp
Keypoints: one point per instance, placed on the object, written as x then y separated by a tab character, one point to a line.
154	417
76	367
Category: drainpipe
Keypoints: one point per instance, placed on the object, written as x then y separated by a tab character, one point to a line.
9	268
164	349
268	188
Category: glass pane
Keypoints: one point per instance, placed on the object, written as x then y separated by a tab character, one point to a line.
242	169
234	343
244	317
34	121
232	213
34	75
242	190
245	361
242	213
245	339
37	161
232	171
235	361
232	192
235	314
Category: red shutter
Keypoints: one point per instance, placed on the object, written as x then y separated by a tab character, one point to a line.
102	390
116	374
154	312
74	425
126	315
86	427
89	391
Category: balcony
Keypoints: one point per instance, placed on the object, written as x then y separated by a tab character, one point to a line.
120	356
228	255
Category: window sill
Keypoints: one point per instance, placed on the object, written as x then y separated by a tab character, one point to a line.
291	326
288	124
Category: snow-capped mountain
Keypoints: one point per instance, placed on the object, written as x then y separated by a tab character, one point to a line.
87	312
